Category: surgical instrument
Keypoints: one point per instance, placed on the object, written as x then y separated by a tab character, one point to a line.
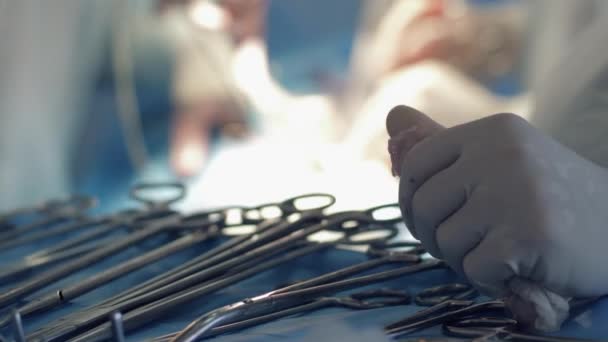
438	294
181	291
157	226
461	317
296	231
82	321
288	299
52	212
503	328
290	206
381	257
466	323
69	226
158	219
442	312
61	296
364	300
98	227
266	232
282	300
43	208
495	328
69	248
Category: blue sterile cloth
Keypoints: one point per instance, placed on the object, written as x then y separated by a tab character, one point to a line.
323	325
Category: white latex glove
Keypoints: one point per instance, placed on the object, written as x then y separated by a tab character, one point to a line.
516	213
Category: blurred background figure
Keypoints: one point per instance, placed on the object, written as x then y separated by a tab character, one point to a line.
48	57
204	91
246	101
455	60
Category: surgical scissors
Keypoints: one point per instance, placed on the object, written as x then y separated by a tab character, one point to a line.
149	306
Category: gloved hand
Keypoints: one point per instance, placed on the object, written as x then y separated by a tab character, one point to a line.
516	213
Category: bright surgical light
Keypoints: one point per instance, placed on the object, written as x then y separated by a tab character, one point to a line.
208	15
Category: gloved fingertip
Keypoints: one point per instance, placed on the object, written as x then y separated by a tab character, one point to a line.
402	118
407	127
397	120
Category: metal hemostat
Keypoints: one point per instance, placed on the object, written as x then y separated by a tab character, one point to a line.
157	219
139	310
300	297
46	214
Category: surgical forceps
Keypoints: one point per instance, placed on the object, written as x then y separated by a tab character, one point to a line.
51	212
257	215
44	208
69	248
97	228
152	222
193	221
248	316
272	222
294	299
67	227
451	305
288	299
149	306
69	267
138	192
64	295
364	300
